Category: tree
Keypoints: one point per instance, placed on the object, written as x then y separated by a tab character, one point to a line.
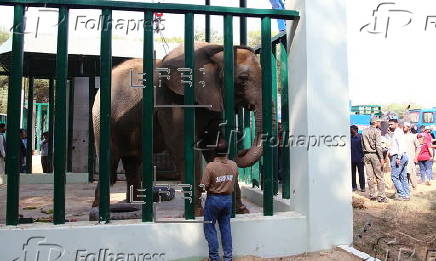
4	35
253	39
215	37
3	94
399	108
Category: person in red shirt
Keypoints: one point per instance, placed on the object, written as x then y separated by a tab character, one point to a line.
424	158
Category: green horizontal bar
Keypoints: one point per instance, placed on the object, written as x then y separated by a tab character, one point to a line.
160	7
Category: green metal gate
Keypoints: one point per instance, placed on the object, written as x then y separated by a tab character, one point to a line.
60	135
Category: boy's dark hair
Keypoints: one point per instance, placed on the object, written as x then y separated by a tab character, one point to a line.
393	120
354	127
221	147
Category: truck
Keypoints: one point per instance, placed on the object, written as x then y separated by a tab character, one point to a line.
422	117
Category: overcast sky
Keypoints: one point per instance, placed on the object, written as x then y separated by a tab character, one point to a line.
385	66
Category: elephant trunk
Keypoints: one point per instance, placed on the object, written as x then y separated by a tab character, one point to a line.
248	157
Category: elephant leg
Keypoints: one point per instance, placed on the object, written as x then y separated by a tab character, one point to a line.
198	175
131	165
96	195
115	158
240	207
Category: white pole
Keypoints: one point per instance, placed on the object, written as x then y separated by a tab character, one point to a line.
22	105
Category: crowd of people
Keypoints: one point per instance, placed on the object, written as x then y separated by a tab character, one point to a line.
401	150
23	151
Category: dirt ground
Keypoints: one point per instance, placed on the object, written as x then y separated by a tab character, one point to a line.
397	230
336	254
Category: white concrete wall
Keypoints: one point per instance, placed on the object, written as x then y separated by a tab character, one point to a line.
252	235
318	91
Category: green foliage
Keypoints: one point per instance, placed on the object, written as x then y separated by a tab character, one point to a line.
4	35
215	37
399	108
254	38
174	39
40	92
3	94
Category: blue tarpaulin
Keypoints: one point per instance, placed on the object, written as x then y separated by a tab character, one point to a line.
278	4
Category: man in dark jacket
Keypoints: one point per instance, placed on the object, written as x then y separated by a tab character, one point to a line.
357	158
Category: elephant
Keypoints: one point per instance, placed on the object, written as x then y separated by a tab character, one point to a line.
168	122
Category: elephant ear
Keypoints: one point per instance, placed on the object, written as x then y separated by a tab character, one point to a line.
208	82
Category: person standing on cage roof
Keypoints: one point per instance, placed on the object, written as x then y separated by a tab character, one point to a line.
219	180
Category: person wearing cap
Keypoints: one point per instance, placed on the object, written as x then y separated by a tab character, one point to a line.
373	159
424	158
399	160
219	180
412	145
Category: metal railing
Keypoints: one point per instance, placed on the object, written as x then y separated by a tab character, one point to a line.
60	128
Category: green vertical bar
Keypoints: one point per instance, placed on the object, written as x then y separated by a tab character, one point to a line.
265	58
13	120
60	115
29	126
38	126
243	24
275	122
229	103
91	148
70	125
51	122
105	115
207	25
147	122
189	114
286	189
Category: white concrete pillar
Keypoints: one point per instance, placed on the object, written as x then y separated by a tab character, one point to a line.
80	125
318	102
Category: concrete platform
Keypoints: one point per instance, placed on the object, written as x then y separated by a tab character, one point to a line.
253	234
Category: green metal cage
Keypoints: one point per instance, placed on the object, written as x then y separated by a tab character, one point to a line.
269	83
